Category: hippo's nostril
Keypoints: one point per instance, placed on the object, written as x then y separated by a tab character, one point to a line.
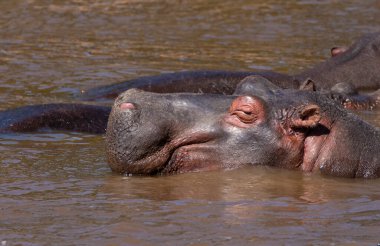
127	105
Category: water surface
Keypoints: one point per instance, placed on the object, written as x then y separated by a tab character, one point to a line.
56	188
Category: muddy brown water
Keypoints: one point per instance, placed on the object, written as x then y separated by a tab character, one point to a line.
56	188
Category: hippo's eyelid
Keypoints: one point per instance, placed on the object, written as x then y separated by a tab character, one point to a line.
245	108
245	117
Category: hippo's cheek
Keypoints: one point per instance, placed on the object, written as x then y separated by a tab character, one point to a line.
193	158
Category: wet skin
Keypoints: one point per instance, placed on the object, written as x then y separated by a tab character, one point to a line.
353	68
291	129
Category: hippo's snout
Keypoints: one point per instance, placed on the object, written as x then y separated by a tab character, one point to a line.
133	132
147	131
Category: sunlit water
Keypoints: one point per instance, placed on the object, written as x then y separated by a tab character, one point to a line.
56	188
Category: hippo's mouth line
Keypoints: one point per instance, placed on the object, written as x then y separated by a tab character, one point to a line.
159	162
172	162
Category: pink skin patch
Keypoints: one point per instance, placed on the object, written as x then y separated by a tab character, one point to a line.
125	106
338	50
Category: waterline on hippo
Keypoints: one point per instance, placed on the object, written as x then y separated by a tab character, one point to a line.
151	134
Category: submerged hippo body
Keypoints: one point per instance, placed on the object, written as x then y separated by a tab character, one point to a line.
151	133
217	82
58	116
356	67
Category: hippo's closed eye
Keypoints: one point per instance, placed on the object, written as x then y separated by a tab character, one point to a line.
245	111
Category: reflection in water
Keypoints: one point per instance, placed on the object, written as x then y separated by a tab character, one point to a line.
249	201
56	187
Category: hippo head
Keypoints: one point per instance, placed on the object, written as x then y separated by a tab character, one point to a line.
357	65
151	133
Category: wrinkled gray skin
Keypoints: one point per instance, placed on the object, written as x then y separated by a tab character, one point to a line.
151	133
353	68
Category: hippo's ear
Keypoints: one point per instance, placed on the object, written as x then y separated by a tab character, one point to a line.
337	50
306	117
307	85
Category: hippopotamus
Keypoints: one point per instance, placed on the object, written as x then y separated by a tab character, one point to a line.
260	124
348	70
151	133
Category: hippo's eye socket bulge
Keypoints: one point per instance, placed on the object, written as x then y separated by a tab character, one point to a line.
247	109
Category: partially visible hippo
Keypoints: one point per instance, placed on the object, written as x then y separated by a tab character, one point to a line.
151	133
58	116
216	82
352	68
357	65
